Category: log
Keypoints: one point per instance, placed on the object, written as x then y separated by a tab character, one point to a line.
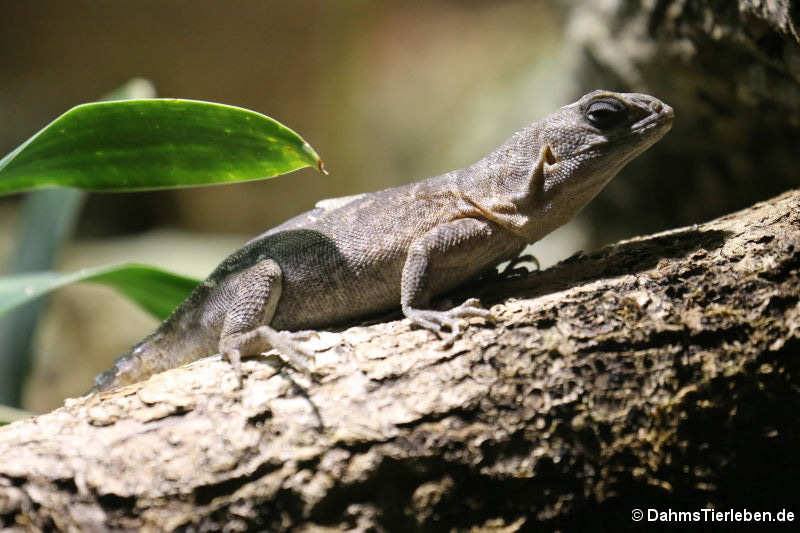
661	372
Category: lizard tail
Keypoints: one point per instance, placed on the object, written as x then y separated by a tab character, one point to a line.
177	341
152	355
140	362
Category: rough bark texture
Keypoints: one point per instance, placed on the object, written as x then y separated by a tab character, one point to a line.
659	372
731	70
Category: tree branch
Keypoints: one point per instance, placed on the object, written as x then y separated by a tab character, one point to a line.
657	372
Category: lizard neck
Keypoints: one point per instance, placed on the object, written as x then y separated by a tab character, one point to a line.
504	188
518	188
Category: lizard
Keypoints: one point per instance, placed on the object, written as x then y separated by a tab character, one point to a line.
401	247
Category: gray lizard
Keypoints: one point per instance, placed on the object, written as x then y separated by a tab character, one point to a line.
364	254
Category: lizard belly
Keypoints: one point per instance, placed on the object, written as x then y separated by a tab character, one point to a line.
316	301
324	285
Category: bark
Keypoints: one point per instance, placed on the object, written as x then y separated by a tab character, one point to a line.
659	372
731	70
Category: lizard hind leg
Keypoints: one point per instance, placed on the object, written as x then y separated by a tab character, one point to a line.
246	330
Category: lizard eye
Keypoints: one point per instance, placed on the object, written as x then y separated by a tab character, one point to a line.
605	113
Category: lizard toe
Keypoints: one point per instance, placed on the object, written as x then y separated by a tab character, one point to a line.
470	308
302	335
425	320
234	357
450	320
516	268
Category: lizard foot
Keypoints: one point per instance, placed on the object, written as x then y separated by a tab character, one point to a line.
451	319
260	340
300	335
514	269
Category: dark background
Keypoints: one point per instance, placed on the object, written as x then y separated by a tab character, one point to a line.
387	93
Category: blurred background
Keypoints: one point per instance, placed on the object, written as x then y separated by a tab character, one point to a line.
387	93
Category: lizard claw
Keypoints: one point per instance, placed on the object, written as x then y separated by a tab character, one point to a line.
234	357
438	321
514	270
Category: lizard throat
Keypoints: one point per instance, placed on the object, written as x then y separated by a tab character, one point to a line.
505	214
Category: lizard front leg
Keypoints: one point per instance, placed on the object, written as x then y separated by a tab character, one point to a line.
246	330
442	259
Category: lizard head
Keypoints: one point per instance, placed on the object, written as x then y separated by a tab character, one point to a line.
544	174
583	145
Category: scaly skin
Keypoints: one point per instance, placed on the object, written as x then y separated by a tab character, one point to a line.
369	253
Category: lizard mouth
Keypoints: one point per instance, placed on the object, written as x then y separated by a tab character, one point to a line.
661	115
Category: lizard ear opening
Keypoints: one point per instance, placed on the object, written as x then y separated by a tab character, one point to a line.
546	160
548	156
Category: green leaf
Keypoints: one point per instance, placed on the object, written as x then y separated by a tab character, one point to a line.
157	291
154	143
46	221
